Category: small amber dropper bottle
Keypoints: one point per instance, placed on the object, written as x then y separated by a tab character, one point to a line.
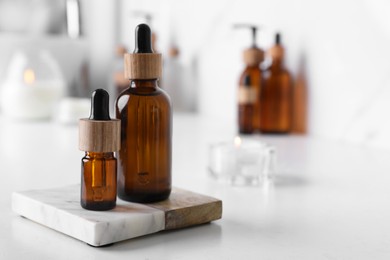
276	98
99	138
144	172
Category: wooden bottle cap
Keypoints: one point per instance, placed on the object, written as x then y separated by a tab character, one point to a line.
99	136
143	65
276	52
253	56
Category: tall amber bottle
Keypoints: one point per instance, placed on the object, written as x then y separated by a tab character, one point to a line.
252	58
276	98
99	138
144	172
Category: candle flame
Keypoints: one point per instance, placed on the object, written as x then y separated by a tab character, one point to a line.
237	141
29	76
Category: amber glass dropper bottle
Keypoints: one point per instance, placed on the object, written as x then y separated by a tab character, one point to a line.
99	138
252	58
144	172
276	98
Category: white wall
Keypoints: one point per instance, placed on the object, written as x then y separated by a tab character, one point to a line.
345	46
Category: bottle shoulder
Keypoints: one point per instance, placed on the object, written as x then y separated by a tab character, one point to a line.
98	156
277	72
252	70
146	95
144	91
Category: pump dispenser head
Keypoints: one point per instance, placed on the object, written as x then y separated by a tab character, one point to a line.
99	133
252	56
143	63
277	51
277	39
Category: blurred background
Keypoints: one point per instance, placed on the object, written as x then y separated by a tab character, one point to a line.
339	49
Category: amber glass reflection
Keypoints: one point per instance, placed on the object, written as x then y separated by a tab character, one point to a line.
144	172
299	124
256	77
276	100
98	181
245	118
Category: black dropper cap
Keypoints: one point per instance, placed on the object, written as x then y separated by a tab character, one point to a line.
100	105
247	81
143	63
143	39
278	39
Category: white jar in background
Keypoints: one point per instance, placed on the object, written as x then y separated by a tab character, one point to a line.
32	87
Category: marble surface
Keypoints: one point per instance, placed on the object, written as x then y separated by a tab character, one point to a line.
60	210
330	199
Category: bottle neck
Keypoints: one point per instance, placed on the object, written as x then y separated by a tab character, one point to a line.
144	83
253	66
277	64
96	155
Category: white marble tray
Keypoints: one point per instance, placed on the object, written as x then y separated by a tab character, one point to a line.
60	210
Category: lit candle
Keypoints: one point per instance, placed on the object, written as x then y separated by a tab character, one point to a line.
237	142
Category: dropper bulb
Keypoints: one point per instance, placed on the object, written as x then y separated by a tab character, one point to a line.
143	39
100	105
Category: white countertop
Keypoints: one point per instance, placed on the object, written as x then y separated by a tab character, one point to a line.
331	200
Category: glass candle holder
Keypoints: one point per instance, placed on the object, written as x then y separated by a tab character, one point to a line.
246	162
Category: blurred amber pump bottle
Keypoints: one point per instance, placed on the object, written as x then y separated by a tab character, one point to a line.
276	97
144	172
271	104
250	85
